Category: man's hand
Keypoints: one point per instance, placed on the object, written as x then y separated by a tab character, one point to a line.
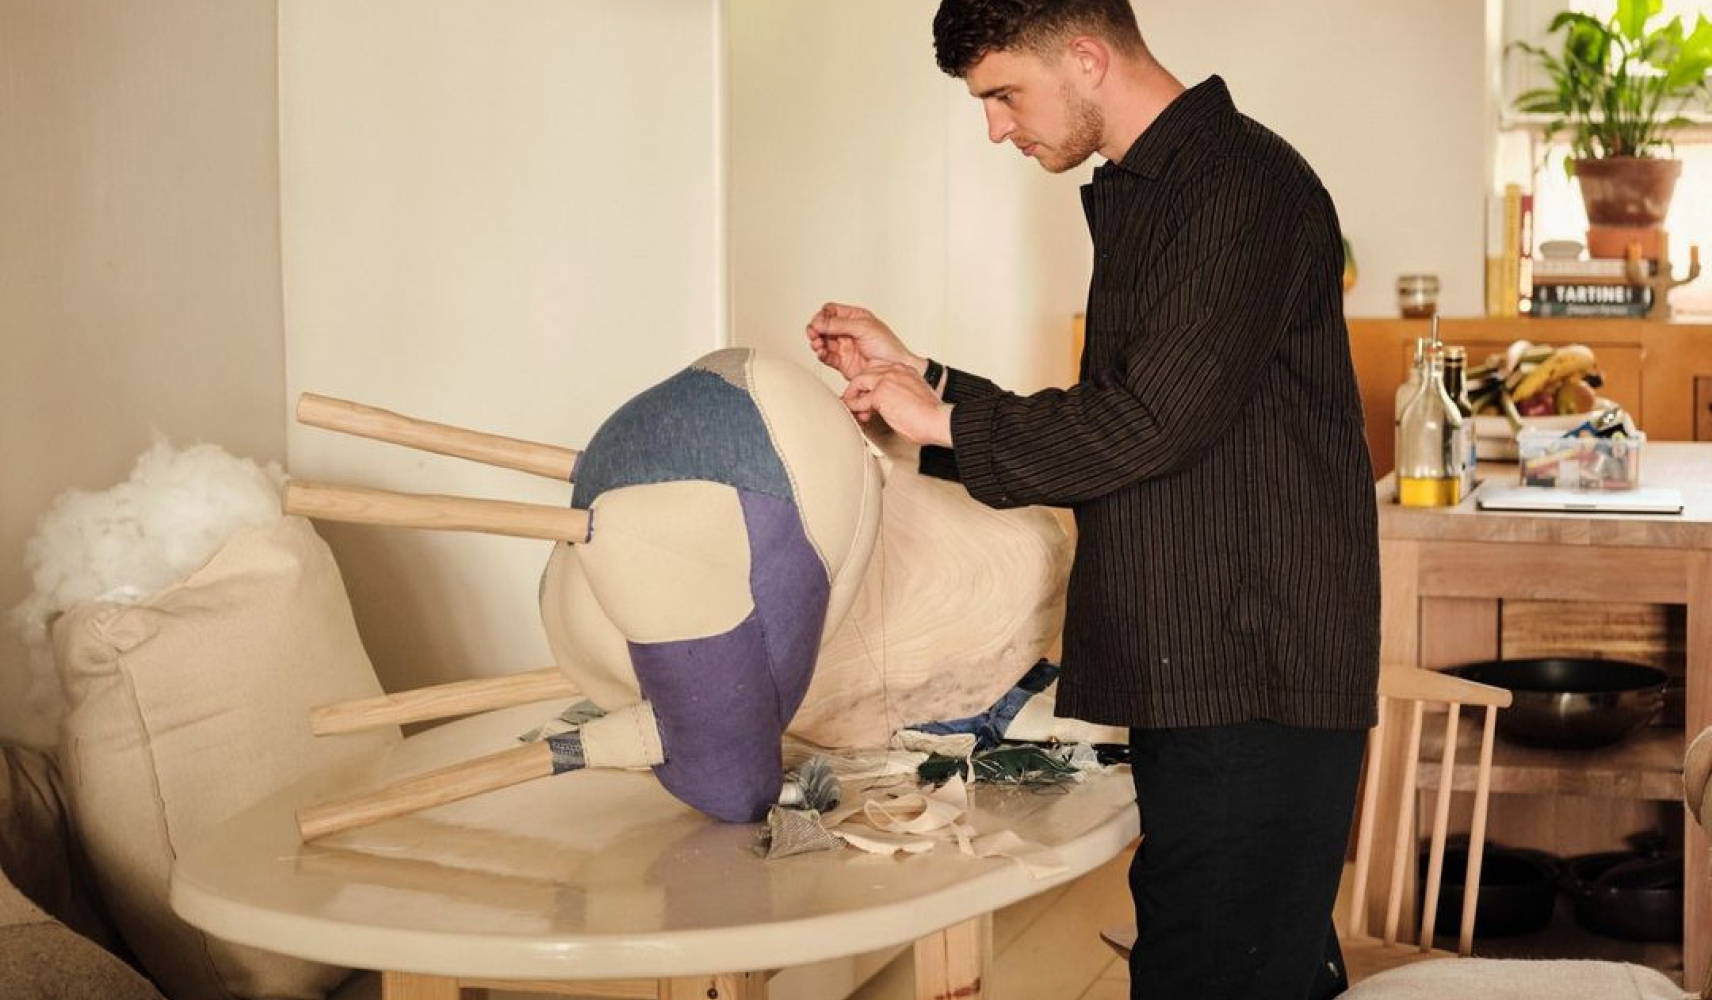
907	404
850	339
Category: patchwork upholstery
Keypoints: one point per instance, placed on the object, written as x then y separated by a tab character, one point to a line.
733	508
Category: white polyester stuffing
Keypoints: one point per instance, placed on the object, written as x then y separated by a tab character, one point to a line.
122	544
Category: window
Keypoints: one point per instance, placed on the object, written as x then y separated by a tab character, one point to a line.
1558	214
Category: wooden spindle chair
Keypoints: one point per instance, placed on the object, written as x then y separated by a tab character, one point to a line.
1388	807
1387	831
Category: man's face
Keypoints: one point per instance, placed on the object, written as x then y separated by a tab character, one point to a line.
1036	106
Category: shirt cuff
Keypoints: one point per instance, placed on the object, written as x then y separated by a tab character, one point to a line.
960	387
972	435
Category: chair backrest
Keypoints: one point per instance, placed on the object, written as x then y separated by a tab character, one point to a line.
1404	694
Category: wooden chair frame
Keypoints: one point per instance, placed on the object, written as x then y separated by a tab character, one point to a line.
1389	800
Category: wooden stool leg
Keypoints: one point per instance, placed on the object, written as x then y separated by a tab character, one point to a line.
953	964
729	986
411	986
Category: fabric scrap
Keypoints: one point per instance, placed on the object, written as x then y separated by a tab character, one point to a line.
794	831
989	728
1038	861
945	744
570	719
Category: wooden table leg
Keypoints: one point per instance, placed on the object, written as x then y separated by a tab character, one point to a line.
1697	871
728	986
411	986
953	964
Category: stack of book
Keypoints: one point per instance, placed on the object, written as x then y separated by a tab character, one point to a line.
1509	252
1601	286
1520	282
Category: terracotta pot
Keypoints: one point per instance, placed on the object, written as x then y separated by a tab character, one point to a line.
1627	190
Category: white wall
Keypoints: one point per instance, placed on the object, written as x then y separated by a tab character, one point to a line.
1387	101
139	257
861	173
514	215
858	171
500	216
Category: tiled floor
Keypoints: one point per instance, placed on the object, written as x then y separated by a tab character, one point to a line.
1044	948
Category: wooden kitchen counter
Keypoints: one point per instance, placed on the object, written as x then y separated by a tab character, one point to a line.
1660	372
1445	572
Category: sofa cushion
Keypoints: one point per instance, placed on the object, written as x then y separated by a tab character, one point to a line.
38	852
191	706
41	957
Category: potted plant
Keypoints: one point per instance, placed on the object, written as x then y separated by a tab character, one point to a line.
1618	91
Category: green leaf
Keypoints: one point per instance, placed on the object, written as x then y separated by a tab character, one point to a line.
1632	16
1616	87
1587	46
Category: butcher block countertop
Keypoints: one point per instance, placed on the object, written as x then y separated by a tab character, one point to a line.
1682	466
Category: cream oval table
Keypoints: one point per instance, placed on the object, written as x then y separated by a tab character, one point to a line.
601	884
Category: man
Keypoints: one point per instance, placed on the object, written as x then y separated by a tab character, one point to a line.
1224	601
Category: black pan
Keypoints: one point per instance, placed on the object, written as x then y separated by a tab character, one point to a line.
1633	895
1571	702
1518	890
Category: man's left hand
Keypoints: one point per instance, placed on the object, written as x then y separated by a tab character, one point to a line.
907	404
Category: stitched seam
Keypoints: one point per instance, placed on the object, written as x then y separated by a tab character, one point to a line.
790	474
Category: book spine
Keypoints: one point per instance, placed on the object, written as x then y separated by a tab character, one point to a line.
1546	268
1494	254
1525	257
1542	280
1512	239
1567	310
1595	294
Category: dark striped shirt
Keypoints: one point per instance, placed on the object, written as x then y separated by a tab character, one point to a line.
1212	449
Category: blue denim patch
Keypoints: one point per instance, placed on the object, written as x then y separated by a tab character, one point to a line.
694	425
989	727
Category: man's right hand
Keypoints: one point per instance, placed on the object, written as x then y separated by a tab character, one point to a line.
851	339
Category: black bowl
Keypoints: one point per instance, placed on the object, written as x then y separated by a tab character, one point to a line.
1518	890
1572	702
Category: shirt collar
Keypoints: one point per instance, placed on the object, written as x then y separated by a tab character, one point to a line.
1191	111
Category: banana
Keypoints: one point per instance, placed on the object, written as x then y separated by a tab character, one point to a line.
1508	405
1512	357
1520	353
1564	362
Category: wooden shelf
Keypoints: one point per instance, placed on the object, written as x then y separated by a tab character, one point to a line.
1646	764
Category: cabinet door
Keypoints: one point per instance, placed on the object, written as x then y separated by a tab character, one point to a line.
1703	407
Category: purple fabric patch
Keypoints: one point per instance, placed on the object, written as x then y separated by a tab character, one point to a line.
719	720
788	582
723	701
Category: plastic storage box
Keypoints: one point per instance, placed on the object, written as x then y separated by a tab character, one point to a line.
1549	458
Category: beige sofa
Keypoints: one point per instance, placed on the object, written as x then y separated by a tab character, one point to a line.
56	939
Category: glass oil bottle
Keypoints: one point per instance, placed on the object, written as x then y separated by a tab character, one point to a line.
1432	454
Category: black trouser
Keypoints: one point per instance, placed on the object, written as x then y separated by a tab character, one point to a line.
1245	828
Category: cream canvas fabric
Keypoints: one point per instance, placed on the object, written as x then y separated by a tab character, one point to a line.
1517	979
191	706
839	500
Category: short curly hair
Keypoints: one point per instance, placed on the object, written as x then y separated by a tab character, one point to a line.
966	31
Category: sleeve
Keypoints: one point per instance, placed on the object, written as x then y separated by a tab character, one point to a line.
1220	291
960	387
